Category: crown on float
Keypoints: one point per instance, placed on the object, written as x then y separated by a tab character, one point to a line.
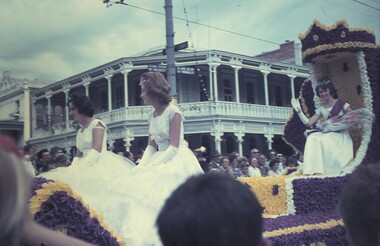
322	40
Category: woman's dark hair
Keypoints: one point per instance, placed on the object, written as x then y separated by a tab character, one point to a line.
273	162
323	84
82	103
292	160
156	86
211	209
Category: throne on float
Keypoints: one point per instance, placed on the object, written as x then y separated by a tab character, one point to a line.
302	210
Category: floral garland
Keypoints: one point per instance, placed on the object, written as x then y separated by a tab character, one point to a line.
372	60
342	22
330	48
56	206
286	195
312	217
367	129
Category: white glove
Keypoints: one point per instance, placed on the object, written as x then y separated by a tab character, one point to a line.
297	107
148	153
92	156
168	154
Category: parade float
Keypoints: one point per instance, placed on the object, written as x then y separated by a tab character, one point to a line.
302	210
298	210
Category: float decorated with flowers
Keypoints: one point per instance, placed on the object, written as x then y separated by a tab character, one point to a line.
302	210
298	210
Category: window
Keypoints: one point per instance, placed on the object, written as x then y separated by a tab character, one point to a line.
119	97
227	89
249	91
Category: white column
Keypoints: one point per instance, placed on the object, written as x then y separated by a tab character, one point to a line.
66	107
86	85
125	73
237	91
265	73
240	133
109	79
268	133
292	77
86	81
217	133
48	97
215	81
210	82
34	115
129	137
27	120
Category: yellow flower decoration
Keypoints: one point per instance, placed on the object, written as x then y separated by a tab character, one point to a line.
271	193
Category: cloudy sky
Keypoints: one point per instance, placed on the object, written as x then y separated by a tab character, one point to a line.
55	39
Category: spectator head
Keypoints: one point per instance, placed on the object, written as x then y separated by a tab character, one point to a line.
30	150
291	162
61	161
211	209
225	162
359	205
272	154
234	158
254	162
13	193
43	154
262	160
255	153
242	160
49	164
215	156
244	168
273	164
56	151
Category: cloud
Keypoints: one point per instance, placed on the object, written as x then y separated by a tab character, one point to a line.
57	39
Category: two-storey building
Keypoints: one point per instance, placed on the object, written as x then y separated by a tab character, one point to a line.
231	102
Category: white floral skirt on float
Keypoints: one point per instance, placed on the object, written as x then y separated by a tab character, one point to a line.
93	179
144	191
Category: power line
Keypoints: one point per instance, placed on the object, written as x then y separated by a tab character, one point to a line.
354	10
110	3
365	4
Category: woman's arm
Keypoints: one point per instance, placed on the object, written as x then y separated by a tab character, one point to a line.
313	120
97	137
347	110
36	235
175	130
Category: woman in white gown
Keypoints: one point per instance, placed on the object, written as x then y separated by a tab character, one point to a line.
93	168
167	162
327	150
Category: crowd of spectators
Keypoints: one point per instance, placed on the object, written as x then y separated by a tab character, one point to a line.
43	160
258	164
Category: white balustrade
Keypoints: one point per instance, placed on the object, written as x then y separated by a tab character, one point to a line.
197	109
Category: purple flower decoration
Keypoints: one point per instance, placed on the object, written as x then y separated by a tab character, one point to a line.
275	190
62	211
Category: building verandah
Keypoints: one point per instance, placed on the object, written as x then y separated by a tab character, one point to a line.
227	99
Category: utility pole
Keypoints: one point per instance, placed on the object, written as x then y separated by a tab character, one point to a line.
170	53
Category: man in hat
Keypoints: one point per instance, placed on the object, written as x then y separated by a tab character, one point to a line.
214	163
